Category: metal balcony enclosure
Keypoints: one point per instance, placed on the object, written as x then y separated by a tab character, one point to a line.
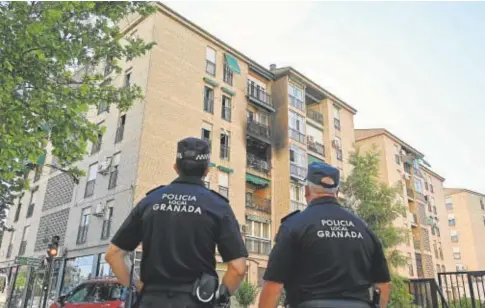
296	135
315	146
258	246
315	116
258	129
297	171
259	95
259	204
258	164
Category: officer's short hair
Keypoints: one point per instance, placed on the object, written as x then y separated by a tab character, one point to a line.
319	189
193	156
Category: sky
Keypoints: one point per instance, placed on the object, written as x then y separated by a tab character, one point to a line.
414	68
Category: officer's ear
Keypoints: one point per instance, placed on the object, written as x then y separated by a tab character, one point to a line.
207	170
176	168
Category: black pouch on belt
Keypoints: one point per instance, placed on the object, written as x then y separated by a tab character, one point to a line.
205	288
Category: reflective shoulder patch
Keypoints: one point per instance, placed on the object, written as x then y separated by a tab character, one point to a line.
218	194
150	191
289	215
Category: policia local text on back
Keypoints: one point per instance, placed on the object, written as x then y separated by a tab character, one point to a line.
179	227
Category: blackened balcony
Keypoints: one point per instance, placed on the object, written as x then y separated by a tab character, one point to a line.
258	129
259	96
257	163
298	171
315	116
296	135
315	146
259	204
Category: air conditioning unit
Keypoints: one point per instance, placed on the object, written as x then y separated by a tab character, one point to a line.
311	139
99	210
103	167
403	152
406	176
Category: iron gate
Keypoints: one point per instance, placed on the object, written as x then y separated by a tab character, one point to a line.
464	289
427	294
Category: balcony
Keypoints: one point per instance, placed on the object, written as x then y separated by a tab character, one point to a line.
258	164
315	116
297	206
315	146
258	130
258	246
82	234
298	171
296	135
259	204
259	96
297	103
23	247
420	197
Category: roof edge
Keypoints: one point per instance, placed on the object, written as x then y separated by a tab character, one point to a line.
290	70
170	12
461	190
441	178
383	131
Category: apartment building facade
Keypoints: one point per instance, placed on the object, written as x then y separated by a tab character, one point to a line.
264	127
422	192
465	211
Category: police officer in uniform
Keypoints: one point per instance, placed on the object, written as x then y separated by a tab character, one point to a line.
325	256
179	226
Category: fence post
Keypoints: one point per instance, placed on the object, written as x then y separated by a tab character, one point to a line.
470	286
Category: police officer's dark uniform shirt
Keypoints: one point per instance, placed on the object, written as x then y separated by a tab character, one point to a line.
179	226
326	252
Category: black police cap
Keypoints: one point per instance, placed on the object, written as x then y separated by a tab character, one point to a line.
193	149
319	173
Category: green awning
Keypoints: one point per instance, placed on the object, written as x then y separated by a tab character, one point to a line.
256	180
212	165
228	91
210	81
41	159
313	159
225	169
44	127
232	63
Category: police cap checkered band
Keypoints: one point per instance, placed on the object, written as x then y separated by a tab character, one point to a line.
193	149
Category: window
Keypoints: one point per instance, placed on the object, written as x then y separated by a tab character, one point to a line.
106	229
258	237
456	253
208	99
434	210
103	107
451	221
397	155
449	204
438	232
228	74
482	204
225	141
10	244
83	226
297	127
224	183
460	267
431	188
127	81
338	148
438	268
91	180
298	156
210	61
418	186
96	147
336	117
226	108
206	133
120	129
113	173
410	265
454	236
297	192
38	172
30	209
295	97
23	243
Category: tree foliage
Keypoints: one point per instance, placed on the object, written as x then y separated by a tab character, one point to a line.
52	59
246	294
379	205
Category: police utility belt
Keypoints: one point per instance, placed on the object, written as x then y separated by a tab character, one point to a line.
204	289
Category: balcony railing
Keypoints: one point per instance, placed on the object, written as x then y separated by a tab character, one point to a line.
23	246
119	133
297	171
260	204
258	246
89	188
259	94
30	210
257	163
258	129
9	250
224	191
106	229
315	116
82	235
297	205
315	146
296	135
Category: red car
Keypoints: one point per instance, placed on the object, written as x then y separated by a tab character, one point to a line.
97	293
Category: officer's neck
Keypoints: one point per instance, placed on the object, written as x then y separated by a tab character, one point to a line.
312	197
